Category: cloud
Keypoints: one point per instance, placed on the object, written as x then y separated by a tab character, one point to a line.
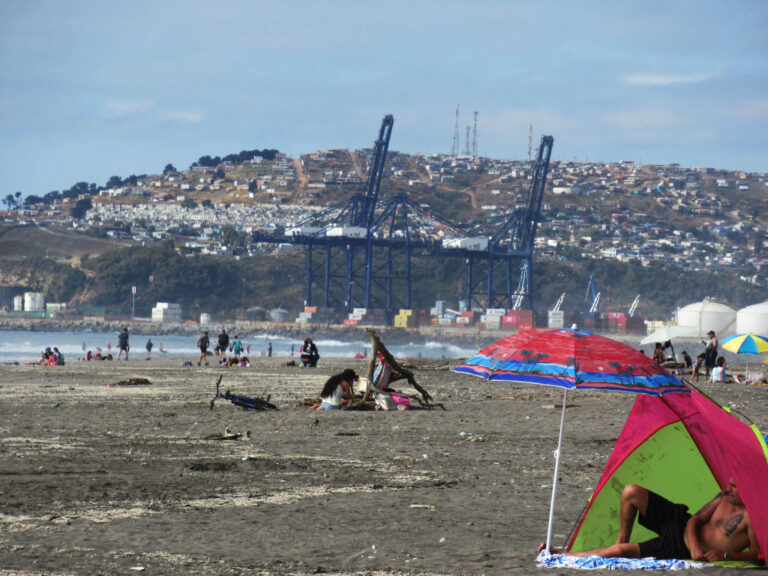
666	79
643	119
116	109
183	116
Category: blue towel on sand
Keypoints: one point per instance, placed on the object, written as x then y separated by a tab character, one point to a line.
597	563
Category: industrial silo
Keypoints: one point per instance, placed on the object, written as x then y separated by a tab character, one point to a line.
278	315
34	302
753	319
708	315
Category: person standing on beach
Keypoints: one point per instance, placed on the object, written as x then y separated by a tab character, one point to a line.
269	349
123	344
237	347
223	345
203	343
710	352
149	349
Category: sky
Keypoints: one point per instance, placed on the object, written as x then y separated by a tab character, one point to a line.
92	89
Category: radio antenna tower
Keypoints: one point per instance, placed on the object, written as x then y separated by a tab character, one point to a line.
466	141
474	136
530	140
455	147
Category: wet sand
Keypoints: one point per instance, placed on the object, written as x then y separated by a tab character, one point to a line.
100	479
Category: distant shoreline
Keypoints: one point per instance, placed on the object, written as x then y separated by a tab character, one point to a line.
421	335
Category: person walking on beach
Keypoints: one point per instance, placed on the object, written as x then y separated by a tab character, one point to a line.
223	345
269	349
149	349
203	343
123	344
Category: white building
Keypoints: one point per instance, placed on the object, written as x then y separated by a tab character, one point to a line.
165	312
34	302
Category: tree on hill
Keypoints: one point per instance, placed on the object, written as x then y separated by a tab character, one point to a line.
51	197
81	208
169	169
32	200
188	203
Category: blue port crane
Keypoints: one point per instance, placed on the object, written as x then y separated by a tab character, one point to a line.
358	253
495	252
338	240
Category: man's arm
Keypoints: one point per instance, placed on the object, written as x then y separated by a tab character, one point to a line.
692	527
752	552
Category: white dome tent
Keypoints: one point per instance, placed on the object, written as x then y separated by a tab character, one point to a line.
708	315
753	319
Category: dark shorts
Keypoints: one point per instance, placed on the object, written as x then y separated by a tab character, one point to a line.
709	361
668	520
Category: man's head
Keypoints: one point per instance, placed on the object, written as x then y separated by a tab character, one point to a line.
125	329
733	493
205	332
711	333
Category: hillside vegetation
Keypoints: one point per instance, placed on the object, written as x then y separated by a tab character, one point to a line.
226	286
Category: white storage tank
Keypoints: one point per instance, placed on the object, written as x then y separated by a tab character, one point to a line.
708	315
18	303
278	315
205	318
753	319
33	302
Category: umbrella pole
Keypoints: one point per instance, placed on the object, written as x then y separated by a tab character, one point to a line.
557	472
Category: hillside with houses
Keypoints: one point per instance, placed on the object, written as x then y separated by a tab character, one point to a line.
692	220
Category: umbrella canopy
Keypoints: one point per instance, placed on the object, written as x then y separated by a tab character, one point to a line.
668	332
570	359
746	344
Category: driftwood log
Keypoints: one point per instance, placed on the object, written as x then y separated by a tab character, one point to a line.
377	347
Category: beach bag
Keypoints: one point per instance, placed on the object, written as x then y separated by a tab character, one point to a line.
385	402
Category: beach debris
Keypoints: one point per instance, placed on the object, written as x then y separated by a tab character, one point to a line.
393	370
244	401
133	382
228	435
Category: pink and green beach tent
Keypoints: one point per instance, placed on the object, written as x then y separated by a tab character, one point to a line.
686	448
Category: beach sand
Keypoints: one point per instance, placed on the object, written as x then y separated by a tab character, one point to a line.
104	479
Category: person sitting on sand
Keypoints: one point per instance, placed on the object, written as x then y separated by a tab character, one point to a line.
658	354
44	357
309	354
718	372
337	391
721	530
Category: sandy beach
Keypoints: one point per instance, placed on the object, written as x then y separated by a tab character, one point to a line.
100	478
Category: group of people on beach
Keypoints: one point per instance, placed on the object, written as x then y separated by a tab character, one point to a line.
224	345
708	362
51	357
